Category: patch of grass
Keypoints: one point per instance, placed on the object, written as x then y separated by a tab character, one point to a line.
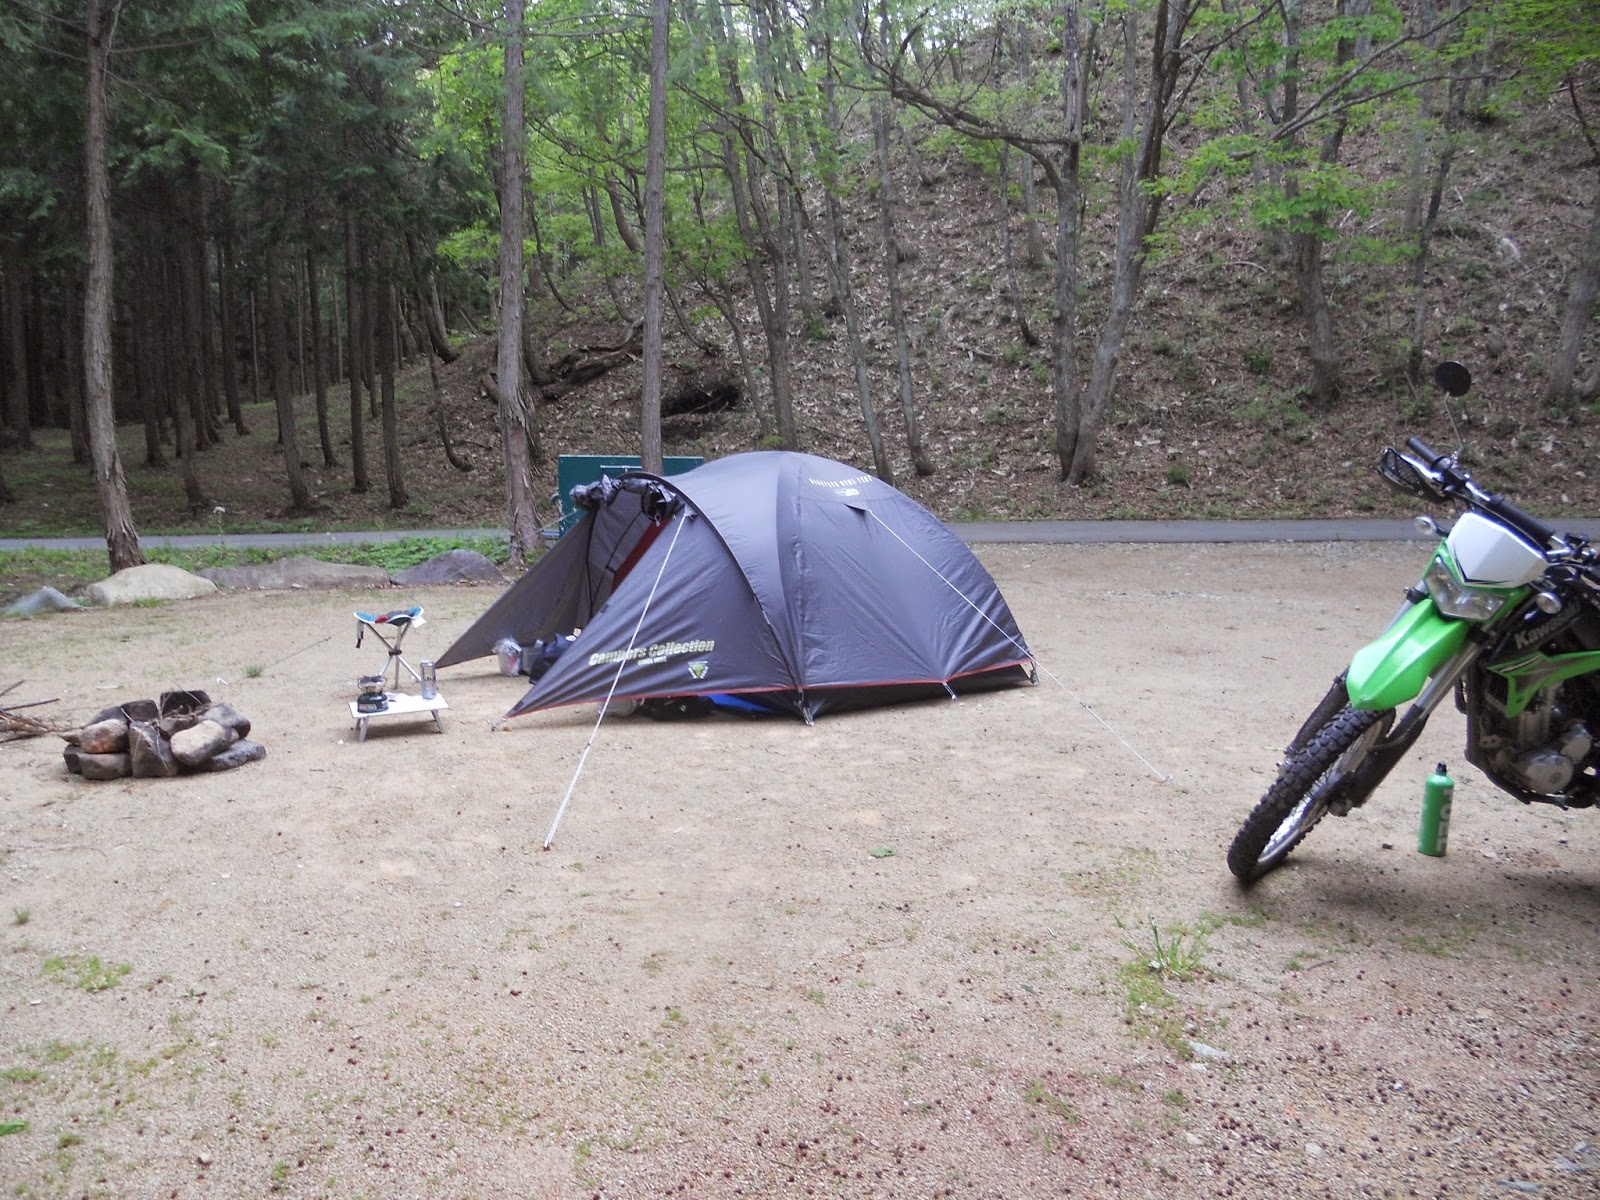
86	973
23	571
1039	1093
1149	1006
21	916
1421	945
1177	956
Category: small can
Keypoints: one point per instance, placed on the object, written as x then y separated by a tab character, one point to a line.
430	679
1433	836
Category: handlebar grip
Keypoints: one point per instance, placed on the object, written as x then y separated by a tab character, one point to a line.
1428	453
1529	524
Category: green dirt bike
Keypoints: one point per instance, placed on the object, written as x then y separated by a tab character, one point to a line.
1506	618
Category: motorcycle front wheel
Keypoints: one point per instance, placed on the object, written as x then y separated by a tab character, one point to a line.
1309	782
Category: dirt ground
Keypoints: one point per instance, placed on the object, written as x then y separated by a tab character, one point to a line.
350	970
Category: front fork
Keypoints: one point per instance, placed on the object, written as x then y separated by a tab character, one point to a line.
1359	784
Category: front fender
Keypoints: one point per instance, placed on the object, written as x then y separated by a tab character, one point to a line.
1391	670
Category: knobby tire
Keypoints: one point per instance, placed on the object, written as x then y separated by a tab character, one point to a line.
1306	785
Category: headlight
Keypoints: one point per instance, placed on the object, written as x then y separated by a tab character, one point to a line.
1456	599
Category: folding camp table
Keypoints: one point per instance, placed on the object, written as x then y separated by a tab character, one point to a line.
390	628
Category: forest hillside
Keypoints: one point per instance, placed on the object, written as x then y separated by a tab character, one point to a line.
1222	402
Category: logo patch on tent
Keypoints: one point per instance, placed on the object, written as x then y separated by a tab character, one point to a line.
697	670
650	656
842	487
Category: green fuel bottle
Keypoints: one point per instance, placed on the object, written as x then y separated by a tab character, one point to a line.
1434	834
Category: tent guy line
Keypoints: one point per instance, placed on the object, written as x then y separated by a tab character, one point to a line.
622	664
1056	679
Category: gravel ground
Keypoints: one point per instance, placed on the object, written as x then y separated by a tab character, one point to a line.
956	949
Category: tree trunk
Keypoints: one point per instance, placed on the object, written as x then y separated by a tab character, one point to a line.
723	300
255	348
187	398
283	399
210	417
1138	210
516	422
17	416
1305	241
654	241
230	329
756	228
839	261
1427	222
1320	344
428	306
619	212
319	375
1013	285
389	330
72	370
122	541
441	420
891	265
1563	368
1065	179
145	386
352	291
369	332
1033	239
335	347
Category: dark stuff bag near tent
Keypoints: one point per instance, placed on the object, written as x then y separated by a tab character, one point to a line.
532	661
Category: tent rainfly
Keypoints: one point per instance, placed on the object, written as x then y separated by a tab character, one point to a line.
795	583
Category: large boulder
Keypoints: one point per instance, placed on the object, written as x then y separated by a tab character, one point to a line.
45	600
296	572
153	581
454	566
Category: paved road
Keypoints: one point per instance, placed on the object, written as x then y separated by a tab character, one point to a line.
973	532
985	531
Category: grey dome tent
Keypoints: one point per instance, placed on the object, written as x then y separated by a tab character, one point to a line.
792	582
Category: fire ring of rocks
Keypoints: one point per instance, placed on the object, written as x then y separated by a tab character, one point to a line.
182	733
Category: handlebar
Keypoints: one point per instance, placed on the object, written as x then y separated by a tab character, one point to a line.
1459	484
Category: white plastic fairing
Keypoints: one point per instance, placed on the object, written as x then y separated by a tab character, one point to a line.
1488	553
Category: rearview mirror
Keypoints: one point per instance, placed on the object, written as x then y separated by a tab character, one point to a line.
1454	378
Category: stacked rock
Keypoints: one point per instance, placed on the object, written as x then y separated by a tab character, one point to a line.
182	733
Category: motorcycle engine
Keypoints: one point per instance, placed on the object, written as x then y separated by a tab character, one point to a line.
1543	749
